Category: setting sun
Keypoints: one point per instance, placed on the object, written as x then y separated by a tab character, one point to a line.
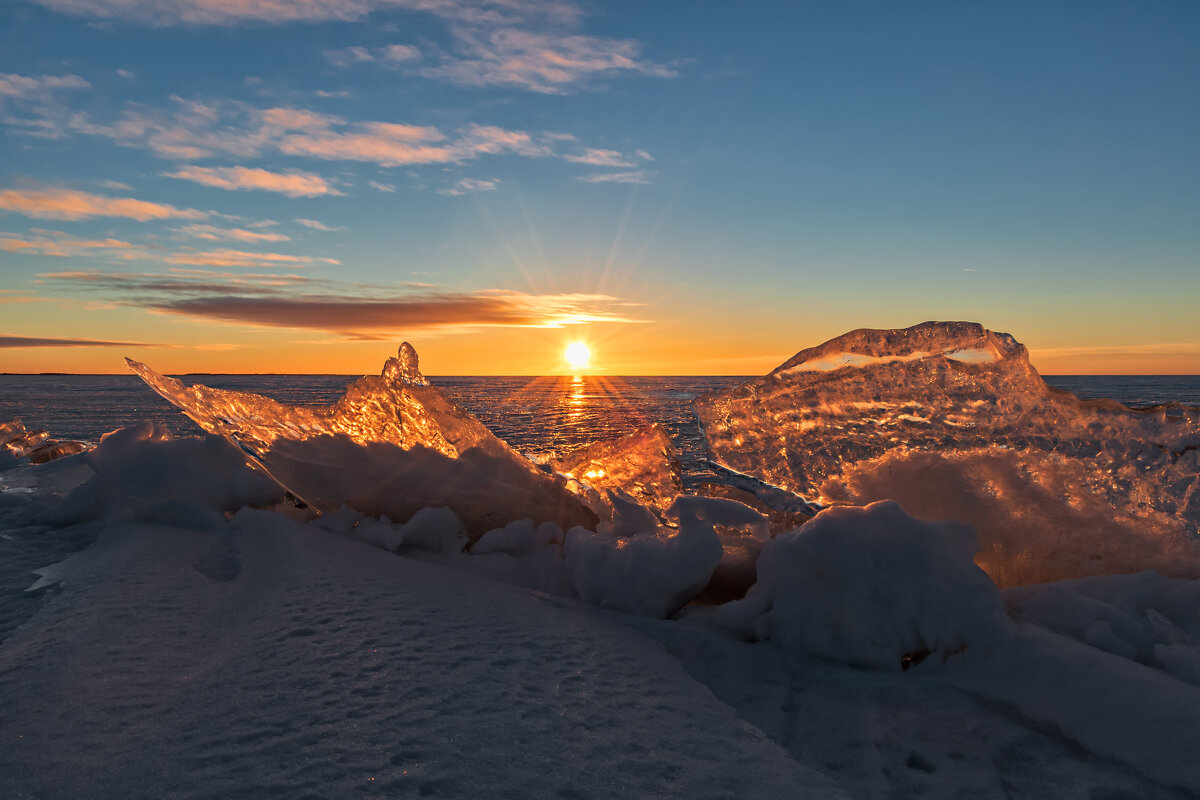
578	355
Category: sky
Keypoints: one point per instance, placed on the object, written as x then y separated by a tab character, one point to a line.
689	188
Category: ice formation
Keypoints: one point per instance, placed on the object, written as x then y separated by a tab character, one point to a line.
391	445
643	464
954	422
37	446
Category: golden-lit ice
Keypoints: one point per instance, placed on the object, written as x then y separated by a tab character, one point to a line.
954	422
391	445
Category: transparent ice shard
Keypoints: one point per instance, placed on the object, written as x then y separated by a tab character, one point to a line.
37	446
390	445
643	464
954	422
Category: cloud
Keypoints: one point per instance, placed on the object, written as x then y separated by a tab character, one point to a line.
390	55
385	143
213	233
233	12
70	204
350	311
32	341
382	187
194	129
373	318
633	176
317	225
126	74
240	258
38	86
61	245
544	62
524	44
293	184
469	185
600	158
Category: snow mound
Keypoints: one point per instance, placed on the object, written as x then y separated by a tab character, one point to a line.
871	587
390	446
1144	617
953	421
653	574
142	474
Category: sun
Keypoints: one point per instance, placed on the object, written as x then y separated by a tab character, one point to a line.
578	355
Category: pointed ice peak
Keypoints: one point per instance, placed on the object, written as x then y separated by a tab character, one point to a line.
403	368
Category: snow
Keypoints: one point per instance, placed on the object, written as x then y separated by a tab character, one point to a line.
269	658
871	587
174	625
252	654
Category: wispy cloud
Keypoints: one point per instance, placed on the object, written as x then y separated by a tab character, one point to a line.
538	61
241	258
293	184
317	225
391	55
469	185
71	204
34	341
352	312
61	245
38	86
632	176
214	233
600	158
194	129
382	187
233	12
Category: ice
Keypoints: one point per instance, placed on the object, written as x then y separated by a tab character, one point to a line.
643	464
953	421
871	587
37	446
390	446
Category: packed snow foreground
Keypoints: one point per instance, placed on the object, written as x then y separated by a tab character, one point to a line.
234	629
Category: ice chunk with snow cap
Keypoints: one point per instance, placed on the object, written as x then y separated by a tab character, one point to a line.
953	421
391	445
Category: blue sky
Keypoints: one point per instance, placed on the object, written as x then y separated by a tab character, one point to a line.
239	185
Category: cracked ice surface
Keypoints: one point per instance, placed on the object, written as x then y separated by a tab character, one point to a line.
389	446
953	421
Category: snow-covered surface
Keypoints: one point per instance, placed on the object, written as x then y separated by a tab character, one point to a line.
172	624
186	652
